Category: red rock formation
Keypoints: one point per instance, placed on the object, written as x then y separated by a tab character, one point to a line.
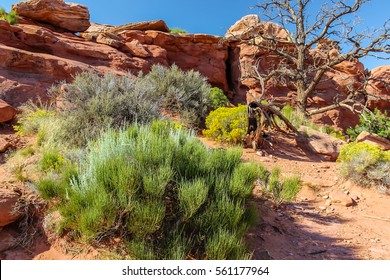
69	16
34	55
379	85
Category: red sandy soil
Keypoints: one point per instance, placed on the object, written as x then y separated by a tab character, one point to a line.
308	228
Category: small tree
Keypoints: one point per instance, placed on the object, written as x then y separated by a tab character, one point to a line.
332	31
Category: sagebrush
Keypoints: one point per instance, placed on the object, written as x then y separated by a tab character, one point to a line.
163	191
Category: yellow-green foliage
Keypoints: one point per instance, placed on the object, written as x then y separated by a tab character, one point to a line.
366	154
365	163
227	124
31	120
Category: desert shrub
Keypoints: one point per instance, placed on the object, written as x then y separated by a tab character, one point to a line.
377	123
281	189
26	152
152	184
51	159
227	124
184	93
178	31
366	164
92	103
218	98
32	118
11	17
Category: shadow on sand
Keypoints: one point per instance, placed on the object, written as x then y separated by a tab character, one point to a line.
279	235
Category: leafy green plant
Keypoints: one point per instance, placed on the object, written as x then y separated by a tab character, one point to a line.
11	17
218	98
51	160
153	185
377	123
227	124
178	31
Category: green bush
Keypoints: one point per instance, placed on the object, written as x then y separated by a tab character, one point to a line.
218	98
227	124
366	164
153	185
282	189
184	93
178	31
11	17
51	160
377	123
91	104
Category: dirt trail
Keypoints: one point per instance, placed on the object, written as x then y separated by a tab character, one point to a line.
312	227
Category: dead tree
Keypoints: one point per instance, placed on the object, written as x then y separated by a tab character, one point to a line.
262	117
332	31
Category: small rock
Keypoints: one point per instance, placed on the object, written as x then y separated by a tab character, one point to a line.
322	208
325	197
328	202
337	196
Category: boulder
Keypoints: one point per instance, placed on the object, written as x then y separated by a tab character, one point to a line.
7	112
251	26
8	201
323	144
375	139
68	16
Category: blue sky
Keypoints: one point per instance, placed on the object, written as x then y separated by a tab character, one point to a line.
202	16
